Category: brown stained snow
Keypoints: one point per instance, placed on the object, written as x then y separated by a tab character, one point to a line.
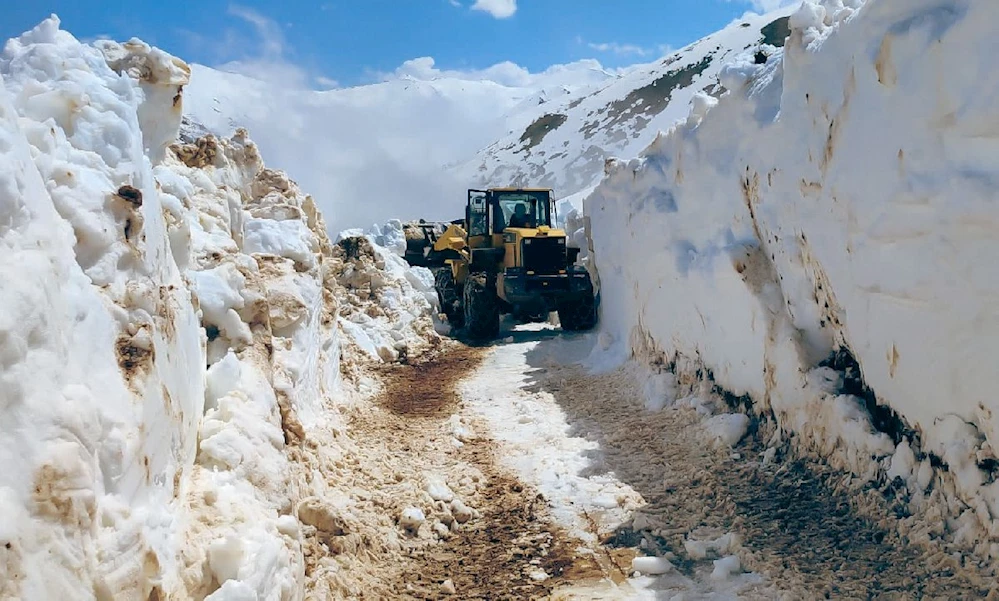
796	527
357	549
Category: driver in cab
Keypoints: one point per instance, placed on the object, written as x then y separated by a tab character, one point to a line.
520	218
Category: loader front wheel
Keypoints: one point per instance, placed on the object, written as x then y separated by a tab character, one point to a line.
449	297
482	315
578	313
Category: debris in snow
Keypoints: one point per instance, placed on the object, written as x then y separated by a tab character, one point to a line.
651	565
386	306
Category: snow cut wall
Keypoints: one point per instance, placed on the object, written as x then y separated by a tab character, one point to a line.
168	329
840	197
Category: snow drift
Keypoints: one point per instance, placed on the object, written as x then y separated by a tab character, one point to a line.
819	239
169	337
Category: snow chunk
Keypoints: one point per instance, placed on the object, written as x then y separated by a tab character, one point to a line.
412	518
461	512
651	565
702	549
224	558
438	489
727	428
220	294
726	567
287	238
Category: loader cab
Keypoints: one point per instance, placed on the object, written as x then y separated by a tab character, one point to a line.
492	211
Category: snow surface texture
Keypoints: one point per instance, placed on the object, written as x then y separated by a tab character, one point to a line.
169	335
838	197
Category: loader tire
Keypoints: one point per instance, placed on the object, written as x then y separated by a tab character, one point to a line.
482	315
447	294
578	313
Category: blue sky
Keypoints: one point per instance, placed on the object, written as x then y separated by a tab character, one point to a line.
348	42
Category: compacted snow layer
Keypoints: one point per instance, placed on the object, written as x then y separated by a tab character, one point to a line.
170	338
827	226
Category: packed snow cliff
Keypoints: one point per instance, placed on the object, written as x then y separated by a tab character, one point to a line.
171	333
819	241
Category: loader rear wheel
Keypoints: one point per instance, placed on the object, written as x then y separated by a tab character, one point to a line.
482	315
450	299
578	313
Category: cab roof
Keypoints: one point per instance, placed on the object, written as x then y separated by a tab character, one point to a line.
520	189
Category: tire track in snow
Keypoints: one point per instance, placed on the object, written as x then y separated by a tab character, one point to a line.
506	546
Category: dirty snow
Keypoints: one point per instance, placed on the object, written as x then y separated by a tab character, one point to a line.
837	197
390	308
189	297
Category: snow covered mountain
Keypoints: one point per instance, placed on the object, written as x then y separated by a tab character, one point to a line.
373	152
819	243
566	144
409	146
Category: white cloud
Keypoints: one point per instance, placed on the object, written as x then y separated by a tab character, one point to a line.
626	49
619	49
326	82
455	3
501	9
506	73
271	36
262	56
765	6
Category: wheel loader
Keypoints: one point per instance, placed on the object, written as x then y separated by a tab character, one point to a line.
506	256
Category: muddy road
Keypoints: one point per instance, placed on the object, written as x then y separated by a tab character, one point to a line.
498	542
534	479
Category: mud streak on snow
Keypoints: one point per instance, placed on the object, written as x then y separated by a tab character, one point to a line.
495	554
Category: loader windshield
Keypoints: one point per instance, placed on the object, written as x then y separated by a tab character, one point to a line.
522	209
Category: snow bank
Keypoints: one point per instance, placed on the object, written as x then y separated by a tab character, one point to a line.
169	337
99	408
825	227
389	308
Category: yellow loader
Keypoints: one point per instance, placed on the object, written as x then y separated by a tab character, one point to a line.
506	256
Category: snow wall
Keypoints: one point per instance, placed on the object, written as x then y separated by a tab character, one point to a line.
170	335
836	209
